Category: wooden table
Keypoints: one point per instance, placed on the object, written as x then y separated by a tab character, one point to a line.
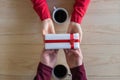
21	41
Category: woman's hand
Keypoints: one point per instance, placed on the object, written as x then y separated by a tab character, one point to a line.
75	28
48	27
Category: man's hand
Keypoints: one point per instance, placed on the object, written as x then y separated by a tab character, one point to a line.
74	57
49	57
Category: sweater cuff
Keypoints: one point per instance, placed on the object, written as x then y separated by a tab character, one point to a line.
79	10
44	67
41	8
78	73
76	18
44	72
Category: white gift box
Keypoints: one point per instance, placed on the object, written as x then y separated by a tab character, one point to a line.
62	41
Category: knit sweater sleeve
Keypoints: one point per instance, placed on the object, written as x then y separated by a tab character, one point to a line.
79	10
41	8
78	73
43	72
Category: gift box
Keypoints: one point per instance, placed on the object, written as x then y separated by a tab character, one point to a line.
62	41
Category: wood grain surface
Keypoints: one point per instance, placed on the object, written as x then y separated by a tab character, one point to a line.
21	40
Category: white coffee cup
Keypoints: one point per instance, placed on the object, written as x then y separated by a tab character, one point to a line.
60	15
59	72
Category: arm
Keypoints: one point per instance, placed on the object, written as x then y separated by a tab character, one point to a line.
41	7
74	59
48	60
78	73
79	11
43	72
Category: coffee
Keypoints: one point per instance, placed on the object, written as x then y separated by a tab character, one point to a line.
60	15
60	71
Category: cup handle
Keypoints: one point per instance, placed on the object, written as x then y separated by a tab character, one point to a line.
54	8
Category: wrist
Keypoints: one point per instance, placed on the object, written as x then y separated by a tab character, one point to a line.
47	20
79	63
47	63
75	24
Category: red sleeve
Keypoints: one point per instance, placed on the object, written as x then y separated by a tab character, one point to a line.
78	73
41	7
79	10
43	72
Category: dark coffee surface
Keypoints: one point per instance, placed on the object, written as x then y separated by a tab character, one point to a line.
60	16
60	71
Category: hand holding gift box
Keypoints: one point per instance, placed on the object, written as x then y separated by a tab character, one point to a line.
62	41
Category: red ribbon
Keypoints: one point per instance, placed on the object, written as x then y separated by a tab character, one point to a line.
71	41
